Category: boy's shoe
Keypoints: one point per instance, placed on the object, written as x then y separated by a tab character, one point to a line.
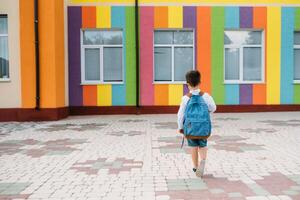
200	169
194	170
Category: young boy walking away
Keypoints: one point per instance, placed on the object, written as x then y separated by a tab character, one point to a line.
198	146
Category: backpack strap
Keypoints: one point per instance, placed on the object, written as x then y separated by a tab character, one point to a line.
190	94
182	142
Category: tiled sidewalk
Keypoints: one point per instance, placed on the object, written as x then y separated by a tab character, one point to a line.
251	156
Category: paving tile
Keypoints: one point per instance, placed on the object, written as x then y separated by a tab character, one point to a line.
234	194
139	157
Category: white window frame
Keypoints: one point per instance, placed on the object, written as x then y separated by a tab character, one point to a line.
101	48
241	56
5	35
296	46
172	46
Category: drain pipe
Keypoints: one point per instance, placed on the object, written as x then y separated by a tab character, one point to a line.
137	53
37	55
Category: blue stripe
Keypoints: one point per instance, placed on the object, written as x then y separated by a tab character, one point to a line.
232	20
118	21
287	56
232	17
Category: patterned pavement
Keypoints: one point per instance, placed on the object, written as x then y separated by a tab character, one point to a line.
251	156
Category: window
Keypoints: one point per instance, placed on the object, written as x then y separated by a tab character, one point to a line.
173	55
4	64
102	58
244	60
297	57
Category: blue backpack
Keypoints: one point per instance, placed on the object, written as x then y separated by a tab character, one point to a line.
197	123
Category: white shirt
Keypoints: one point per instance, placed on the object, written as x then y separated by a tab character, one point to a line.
207	99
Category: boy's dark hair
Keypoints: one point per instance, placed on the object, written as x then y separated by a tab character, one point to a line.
193	78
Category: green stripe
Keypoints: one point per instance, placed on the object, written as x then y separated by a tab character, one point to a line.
297	86
130	57
297	18
297	94
217	45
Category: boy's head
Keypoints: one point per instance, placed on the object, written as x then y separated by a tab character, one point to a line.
193	78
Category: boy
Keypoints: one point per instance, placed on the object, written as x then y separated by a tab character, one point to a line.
193	79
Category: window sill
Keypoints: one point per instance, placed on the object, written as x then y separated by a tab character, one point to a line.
103	83
5	80
296	82
168	83
243	83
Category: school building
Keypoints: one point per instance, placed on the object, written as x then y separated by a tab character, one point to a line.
71	57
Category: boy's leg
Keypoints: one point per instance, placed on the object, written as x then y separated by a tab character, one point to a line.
203	153
194	153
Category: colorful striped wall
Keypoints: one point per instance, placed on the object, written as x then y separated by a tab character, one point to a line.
209	23
187	2
101	17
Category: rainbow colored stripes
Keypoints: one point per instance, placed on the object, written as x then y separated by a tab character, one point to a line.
208	23
102	17
187	2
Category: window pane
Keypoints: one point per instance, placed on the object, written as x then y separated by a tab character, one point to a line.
92	64
4	73
96	37
112	58
163	37
251	37
252	64
92	37
183	62
163	64
232	70
297	64
3	25
183	37
112	37
297	38
242	37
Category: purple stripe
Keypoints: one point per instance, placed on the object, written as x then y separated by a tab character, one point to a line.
189	17
246	94
246	21
246	17
185	89
74	25
190	21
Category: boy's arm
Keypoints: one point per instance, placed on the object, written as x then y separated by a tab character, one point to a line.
210	103
180	114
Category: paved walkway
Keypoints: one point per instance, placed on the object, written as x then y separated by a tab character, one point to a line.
251	156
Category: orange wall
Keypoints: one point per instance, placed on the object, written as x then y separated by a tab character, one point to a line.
27	54
60	53
51	35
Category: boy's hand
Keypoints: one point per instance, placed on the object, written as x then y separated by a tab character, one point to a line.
180	131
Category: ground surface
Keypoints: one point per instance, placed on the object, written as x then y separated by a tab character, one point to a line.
251	156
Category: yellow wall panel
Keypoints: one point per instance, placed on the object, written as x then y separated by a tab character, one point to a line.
273	55
103	17
175	94
175	17
104	96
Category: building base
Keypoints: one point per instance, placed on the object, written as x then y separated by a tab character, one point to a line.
110	110
28	114
52	114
